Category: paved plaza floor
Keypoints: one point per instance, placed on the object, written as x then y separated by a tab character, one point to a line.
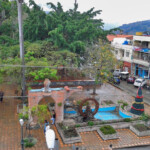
10	131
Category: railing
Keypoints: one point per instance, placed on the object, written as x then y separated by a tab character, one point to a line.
119	46
141	58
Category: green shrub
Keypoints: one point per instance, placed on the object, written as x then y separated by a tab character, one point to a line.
122	106
127	119
77	125
90	123
59	104
145	117
24	117
29	142
78	102
107	129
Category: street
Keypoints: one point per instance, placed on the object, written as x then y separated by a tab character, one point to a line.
131	90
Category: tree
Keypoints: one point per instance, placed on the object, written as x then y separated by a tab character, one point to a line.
40	112
34	24
100	61
73	29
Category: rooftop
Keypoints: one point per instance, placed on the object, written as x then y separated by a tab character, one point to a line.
111	37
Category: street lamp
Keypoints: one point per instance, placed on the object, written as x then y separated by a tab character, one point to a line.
22	142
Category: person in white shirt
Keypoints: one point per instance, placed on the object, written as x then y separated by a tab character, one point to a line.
50	138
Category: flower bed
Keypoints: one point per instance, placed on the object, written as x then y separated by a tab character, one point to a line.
107	132
68	135
140	129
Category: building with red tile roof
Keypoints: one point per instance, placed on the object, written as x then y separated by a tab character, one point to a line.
111	37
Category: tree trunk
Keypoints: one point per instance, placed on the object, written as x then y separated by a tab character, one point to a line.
94	89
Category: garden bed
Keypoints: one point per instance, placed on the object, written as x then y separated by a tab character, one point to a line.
69	135
140	129
107	132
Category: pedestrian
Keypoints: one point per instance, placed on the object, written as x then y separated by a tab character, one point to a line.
1	95
53	117
50	138
45	124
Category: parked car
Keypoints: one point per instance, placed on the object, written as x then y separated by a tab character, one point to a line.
131	80
116	73
140	82
124	75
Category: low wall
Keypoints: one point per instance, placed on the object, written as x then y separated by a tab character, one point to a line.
70	140
139	133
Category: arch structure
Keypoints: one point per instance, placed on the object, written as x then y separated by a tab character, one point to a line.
59	95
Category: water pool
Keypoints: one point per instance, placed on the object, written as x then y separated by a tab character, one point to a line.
107	113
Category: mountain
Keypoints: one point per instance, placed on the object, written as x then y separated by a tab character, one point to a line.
108	26
139	26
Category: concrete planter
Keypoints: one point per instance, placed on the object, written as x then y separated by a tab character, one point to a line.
139	133
70	140
107	137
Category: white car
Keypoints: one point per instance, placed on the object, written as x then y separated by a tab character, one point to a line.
139	82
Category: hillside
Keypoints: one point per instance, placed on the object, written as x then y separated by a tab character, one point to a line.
132	28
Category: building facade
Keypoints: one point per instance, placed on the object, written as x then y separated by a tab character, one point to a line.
141	56
122	47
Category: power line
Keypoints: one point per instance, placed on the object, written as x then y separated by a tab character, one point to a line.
63	67
26	66
50	96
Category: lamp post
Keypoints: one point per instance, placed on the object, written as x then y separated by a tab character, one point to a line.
19	3
22	142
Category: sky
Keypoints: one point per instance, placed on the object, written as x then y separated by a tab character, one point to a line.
113	11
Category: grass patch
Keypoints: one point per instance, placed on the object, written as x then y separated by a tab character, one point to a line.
107	130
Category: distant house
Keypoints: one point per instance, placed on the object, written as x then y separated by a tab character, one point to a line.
134	51
111	37
123	49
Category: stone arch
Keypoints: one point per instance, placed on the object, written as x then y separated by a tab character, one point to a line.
59	95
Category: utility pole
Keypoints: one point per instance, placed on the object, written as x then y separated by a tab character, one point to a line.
19	3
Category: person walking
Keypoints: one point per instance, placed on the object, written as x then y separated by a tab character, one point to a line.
53	117
1	95
45	124
50	138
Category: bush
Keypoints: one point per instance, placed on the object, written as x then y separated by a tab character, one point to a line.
107	129
145	117
90	123
24	117
127	120
77	125
29	142
59	104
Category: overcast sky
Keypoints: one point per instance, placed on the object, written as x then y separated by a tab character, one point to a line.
113	11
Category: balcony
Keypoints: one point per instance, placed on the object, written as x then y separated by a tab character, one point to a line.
141	38
125	47
141	49
141	60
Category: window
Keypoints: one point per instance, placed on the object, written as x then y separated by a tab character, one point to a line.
127	54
